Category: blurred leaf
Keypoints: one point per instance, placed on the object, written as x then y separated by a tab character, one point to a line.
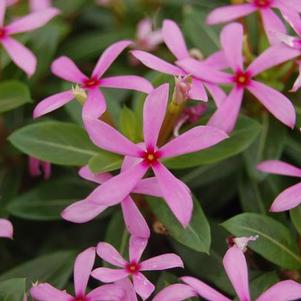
56	142
12	289
105	162
295	215
293	149
129	124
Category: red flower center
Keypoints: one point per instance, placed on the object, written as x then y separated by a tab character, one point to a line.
242	78
2	33
83	298
263	3
150	156
91	82
133	267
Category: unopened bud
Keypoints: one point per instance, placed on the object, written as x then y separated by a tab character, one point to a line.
241	242
196	54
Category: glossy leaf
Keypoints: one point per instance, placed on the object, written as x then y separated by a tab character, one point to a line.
12	289
105	162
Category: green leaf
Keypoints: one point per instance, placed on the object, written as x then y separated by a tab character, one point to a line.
105	162
261	283
197	234
246	131
275	242
56	142
12	289
295	215
13	94
129	124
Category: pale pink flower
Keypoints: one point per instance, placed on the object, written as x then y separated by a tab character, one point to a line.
82	268
6	228
149	155
19	54
36	167
95	104
134	266
236	268
242	79
290	197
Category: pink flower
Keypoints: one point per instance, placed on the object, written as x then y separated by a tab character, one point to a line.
82	268
237	271
290	197
19	54
149	155
95	104
36	167
271	22
6	228
226	115
174	40
134	266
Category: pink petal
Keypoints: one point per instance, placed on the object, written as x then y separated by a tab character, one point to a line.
282	291
98	178
108	57
275	102
156	63
197	90
52	103
2	12
195	139
226	115
107	275
279	168
34	167
144	28
176	194
153	114
293	18
37	5
20	55
174	39
94	106
217	60
162	262
143	286
237	270
297	84
204	290
133	219
217	93
6	228
82	269
287	199
109	254
66	69
108	292
232	40
131	82
229	13
290	4
148	186
128	287
137	247
46	292
175	292
46	167
32	21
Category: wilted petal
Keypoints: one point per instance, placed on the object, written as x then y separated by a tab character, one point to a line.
108	292
107	275
46	292
109	254
162	262
137	247
279	168
143	286
175	292
6	228
197	90
94	106
98	178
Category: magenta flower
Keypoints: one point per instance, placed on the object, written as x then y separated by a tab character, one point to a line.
95	104
149	155
82	268
19	54
36	167
6	228
235	265
271	22
134	266
290	197
174	40
226	115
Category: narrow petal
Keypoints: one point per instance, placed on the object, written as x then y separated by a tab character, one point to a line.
148	186
204	290
107	275
195	139
275	102
282	291
143	286
108	138
46	292
217	93
297	83
66	69
197	90
98	178
94	106
175	292
153	114
231	40
52	103
82	269
174	40
108	292
108	57
130	82
226	115
235	265
287	199
162	262
229	13
6	228
2	12
176	194
293	18
217	60
279	168
32	21
156	63
20	55
109	254
137	247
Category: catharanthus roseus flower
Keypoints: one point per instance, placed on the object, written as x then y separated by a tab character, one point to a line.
290	197
19	54
6	228
226	115
149	155
134	266
235	265
36	167
95	104
82	268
